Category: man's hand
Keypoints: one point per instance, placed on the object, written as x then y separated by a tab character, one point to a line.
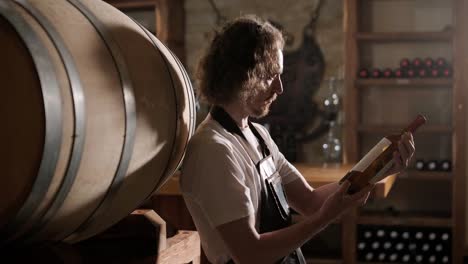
340	201
403	156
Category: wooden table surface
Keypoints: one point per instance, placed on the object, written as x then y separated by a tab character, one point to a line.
315	175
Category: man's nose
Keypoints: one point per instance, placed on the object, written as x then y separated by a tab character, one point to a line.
278	85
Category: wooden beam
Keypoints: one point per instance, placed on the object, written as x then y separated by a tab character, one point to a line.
182	248
170	25
459	105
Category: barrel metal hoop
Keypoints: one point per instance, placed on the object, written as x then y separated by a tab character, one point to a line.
78	111
191	115
191	100
176	97
130	117
53	116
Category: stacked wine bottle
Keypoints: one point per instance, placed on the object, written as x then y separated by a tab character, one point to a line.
433	165
403	244
412	68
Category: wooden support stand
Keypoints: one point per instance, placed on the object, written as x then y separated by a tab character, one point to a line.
138	238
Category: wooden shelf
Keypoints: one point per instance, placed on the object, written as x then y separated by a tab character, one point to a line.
323	261
405	82
404	220
315	175
426	175
404	36
136	4
386	129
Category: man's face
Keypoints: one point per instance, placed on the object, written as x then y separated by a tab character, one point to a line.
259	105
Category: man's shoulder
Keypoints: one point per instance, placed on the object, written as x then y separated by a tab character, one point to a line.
210	136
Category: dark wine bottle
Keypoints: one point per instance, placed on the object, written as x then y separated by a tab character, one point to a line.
376	73
405	63
419	165
373	166
422	73
363	73
435	72
406	258
441	62
417	63
393	257
387	73
410	73
428	63
431	165
398	73
445	165
447	72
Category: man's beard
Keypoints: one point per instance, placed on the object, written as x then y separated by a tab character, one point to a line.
259	111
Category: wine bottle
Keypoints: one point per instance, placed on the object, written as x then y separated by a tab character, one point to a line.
417	63
435	72
422	73
447	72
445	165
441	62
369	256
393	257
387	73
431	165
406	258
376	73
404	63
410	73
382	256
398	73
419	258
428	62
419	165
373	166
363	73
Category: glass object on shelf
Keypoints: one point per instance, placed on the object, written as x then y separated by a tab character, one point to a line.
332	101
332	147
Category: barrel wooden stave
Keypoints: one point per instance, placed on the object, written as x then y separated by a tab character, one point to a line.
164	121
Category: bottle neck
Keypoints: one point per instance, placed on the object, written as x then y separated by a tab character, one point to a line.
413	126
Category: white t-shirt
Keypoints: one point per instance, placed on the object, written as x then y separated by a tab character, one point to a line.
220	183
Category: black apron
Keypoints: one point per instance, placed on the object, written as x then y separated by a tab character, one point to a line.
274	209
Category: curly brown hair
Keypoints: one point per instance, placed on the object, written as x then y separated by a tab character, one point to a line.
241	56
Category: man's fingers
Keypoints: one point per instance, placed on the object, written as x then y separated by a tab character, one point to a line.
363	192
403	153
344	187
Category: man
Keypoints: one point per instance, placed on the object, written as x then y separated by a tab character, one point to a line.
237	185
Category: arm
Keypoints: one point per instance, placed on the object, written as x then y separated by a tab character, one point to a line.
248	246
304	199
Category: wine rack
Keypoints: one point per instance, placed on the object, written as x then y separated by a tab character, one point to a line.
378	35
403	244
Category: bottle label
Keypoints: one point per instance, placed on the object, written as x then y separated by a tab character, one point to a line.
362	165
381	174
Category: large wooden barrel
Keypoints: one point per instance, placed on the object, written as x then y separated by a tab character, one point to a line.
96	115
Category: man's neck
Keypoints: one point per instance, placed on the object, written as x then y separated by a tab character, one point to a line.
237	113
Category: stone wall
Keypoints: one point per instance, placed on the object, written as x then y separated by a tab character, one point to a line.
201	20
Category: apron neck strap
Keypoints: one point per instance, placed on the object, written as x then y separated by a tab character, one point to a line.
225	120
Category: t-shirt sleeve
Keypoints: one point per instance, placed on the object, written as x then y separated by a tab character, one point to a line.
218	184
